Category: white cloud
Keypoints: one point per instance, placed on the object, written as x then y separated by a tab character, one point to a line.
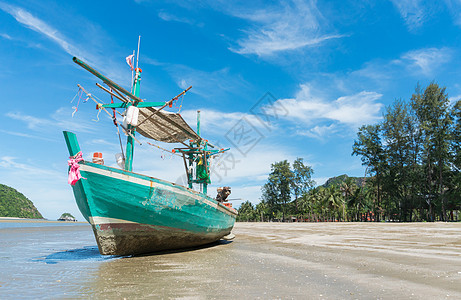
426	61
6	36
356	109
174	18
25	135
352	110
454	7
207	83
412	11
89	52
454	99
26	18
288	26
318	132
61	118
213	121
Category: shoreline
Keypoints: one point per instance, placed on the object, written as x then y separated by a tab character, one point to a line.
26	220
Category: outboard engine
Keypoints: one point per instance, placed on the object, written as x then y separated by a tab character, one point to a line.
223	193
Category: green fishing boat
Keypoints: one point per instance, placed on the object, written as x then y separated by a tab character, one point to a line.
131	213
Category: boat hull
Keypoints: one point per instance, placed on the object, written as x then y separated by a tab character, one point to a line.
133	214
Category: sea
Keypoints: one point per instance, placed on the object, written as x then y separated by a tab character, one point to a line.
47	259
60	260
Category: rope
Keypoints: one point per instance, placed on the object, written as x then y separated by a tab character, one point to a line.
97	116
79	93
114	118
166	150
177	100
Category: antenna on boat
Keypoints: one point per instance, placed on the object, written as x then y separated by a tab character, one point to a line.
137	55
132	76
198	122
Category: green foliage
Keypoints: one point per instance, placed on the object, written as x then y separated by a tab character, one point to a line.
413	163
413	158
339	180
277	190
15	204
67	216
247	212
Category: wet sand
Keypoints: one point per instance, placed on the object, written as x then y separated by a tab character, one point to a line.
268	261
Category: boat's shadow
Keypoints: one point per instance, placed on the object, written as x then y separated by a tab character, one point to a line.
91	253
88	253
201	247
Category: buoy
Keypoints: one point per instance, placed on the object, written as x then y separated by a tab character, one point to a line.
97	158
120	160
131	117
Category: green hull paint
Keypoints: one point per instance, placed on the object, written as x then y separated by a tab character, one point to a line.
133	213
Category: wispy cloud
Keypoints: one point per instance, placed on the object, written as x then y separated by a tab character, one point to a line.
61	118
218	121
426	61
288	26
308	109
454	7
89	52
417	13
27	19
414	12
6	36
312	115
207	83
25	135
165	16
454	99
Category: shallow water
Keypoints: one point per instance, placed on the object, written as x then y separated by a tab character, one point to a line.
46	259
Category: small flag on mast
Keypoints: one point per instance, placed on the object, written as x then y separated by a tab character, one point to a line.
129	61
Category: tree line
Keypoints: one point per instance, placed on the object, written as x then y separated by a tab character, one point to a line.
412	162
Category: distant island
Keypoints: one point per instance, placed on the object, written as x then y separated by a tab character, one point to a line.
67	217
15	205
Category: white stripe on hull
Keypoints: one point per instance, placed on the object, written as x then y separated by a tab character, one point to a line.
104	220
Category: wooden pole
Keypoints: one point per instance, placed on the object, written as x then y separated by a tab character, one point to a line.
111	93
106	80
166	103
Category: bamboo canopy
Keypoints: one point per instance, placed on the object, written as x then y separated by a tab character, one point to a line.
164	126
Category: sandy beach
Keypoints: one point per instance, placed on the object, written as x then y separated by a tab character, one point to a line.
365	260
303	261
264	261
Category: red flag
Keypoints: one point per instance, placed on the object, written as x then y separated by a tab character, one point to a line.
129	61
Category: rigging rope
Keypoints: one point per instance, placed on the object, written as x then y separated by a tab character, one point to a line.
80	94
114	118
177	100
169	151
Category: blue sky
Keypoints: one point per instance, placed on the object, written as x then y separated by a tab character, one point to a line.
317	69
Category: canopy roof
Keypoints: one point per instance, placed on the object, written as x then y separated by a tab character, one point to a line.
164	126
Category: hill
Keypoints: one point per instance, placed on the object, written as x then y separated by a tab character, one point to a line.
336	181
15	204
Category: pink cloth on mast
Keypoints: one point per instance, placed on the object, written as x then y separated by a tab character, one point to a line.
74	172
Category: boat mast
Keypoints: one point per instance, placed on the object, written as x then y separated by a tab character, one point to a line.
130	138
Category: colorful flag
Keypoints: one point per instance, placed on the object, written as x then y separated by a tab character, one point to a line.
129	61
